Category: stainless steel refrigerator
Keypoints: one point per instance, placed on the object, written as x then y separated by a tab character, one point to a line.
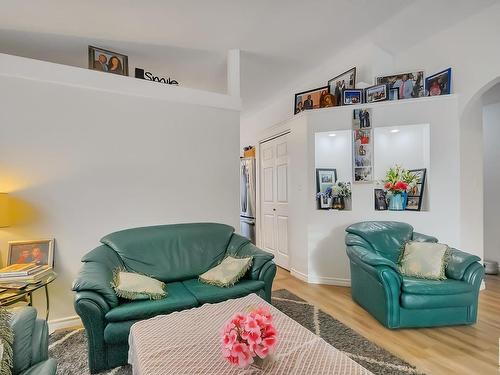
247	198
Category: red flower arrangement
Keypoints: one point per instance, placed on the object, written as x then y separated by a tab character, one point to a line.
398	187
247	336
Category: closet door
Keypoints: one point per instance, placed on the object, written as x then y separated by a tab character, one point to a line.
274	198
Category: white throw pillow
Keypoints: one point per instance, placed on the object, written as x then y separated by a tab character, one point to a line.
424	260
135	286
228	272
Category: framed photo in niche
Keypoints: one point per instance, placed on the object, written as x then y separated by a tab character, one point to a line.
38	251
380	200
416	195
325	178
344	81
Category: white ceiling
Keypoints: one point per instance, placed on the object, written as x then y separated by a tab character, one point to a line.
188	39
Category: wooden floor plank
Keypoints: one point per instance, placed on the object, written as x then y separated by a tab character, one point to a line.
448	350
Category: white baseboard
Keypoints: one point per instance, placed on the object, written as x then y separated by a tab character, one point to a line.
299	275
320	279
68	322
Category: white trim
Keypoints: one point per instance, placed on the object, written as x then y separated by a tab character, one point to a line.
299	275
62	323
320	279
329	281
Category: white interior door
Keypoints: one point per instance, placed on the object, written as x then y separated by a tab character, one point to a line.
274	198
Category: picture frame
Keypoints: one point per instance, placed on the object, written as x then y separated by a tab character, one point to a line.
377	93
410	83
104	60
344	81
311	99
352	96
325	178
380	197
438	83
394	94
416	196
33	251
361	118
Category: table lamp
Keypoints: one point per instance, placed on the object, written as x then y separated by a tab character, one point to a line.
4	210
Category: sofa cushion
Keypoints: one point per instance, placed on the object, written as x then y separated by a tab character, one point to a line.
134	286
385	237
228	272
424	260
171	252
435	287
206	293
179	298
434	301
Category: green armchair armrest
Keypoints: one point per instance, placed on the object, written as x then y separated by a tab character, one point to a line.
263	267
423	237
458	263
371	258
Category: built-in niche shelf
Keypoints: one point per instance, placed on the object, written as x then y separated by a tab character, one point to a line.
37	70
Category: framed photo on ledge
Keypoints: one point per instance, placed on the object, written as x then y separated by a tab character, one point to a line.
344	81
108	61
352	96
312	99
377	93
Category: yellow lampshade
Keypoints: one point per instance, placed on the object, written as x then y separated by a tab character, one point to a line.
4	210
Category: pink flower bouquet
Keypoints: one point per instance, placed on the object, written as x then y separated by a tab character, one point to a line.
247	336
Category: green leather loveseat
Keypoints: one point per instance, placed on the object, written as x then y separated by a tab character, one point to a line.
398	301
176	254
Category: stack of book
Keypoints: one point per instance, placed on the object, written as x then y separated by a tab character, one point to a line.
30	273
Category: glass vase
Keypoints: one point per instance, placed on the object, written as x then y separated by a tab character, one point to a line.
397	202
338	203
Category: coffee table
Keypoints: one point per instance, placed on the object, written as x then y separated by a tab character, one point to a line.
188	342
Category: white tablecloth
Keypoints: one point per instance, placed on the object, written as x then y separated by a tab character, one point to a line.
188	342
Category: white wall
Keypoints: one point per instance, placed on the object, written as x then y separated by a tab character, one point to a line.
334	150
81	162
325	230
491	134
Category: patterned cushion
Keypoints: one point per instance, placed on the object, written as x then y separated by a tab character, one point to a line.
424	260
135	286
228	272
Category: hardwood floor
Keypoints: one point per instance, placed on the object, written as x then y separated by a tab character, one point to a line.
448	350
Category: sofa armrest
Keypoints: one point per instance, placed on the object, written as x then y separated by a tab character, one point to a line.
40	342
458	263
96	277
92	308
419	237
369	257
242	247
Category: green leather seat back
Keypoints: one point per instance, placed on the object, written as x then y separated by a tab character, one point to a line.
171	252
385	237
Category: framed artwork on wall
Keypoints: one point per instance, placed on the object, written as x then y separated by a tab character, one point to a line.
39	251
416	195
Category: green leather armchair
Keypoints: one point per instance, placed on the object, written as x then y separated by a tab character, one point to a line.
398	301
31	344
175	254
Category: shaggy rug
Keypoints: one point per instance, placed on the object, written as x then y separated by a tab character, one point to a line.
69	347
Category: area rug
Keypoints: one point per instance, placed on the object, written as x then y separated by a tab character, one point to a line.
69	347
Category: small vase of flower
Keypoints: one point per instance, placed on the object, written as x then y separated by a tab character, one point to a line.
341	191
249	339
398	181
